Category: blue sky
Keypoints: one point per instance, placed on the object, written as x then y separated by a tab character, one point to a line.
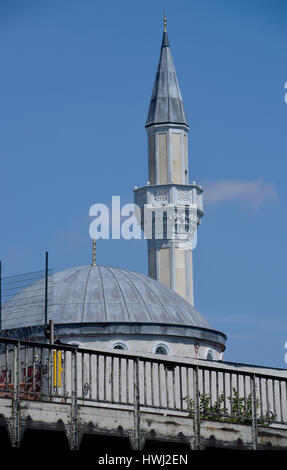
75	83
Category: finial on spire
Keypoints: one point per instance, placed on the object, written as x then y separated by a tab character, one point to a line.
164	23
94	253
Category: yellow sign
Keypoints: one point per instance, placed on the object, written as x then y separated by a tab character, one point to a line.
58	369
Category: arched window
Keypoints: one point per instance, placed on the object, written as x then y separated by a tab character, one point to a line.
161	349
209	356
120	345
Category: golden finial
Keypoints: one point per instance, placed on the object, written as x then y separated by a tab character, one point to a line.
164	23
94	253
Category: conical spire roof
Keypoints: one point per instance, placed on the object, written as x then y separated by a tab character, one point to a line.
166	105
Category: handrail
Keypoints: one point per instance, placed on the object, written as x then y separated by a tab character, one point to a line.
202	391
150	358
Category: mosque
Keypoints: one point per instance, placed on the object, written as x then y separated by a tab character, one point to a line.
101	307
130	357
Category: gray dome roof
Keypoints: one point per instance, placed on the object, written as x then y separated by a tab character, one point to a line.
98	294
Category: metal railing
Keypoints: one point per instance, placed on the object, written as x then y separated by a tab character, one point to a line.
40	295
37	371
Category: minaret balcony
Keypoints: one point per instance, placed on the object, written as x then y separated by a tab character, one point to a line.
170	194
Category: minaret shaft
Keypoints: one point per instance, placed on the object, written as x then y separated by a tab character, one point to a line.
171	208
168	155
171	264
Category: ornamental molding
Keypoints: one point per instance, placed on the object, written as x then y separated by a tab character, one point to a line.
183	195
161	195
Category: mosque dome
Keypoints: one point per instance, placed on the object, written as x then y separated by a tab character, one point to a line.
93	300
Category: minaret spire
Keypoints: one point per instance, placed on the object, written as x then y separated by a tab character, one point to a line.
169	196
166	105
94	253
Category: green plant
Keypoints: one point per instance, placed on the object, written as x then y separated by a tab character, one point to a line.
239	411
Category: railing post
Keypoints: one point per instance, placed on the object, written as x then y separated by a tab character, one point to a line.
46	287
73	433
50	374
15	421
254	414
196	417
136	437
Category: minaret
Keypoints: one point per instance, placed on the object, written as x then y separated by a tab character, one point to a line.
171	208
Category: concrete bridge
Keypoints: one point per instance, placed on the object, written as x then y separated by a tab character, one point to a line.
196	404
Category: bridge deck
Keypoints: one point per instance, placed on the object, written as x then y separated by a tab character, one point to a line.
199	403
